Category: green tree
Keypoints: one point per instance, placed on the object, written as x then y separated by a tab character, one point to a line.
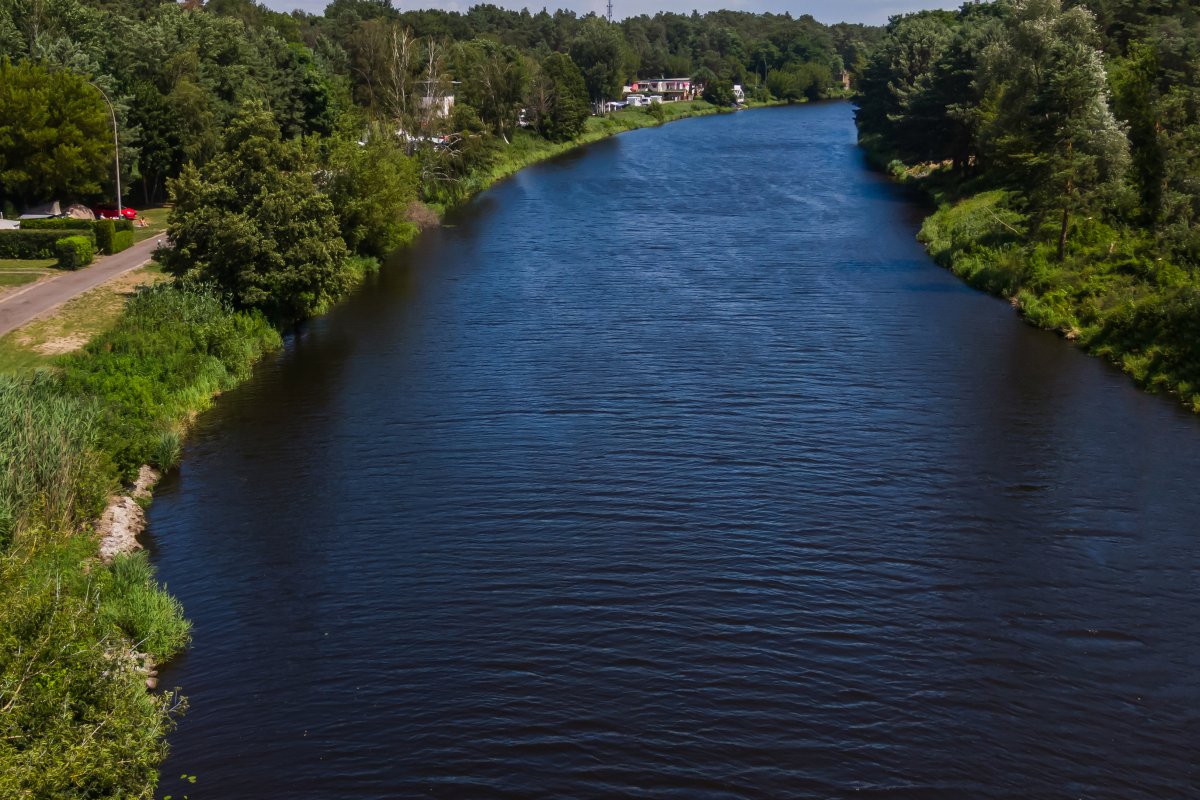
55	135
720	93
799	82
1053	129
494	81
940	118
561	98
601	54
254	224
372	187
907	56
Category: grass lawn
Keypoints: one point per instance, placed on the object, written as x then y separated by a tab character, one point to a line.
7	264
157	217
71	326
10	279
19	272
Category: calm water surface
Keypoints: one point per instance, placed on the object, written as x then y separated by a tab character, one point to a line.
675	469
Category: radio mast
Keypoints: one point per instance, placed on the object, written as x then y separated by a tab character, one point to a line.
610	10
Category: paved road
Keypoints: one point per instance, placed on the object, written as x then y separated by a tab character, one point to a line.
30	303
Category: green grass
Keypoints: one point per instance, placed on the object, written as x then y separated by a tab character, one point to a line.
21	271
164	359
157	217
40	343
76	720
134	604
27	263
1113	293
16	359
52	476
8	279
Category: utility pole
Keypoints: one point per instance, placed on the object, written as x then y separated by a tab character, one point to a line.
116	148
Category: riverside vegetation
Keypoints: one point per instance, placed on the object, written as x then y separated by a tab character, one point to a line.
1061	142
297	150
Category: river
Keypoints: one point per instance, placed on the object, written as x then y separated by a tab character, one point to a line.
674	468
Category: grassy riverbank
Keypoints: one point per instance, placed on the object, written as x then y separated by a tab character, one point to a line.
77	721
1058	141
1113	292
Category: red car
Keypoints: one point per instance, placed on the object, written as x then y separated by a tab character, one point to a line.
109	211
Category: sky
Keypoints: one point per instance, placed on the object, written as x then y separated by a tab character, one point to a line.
871	12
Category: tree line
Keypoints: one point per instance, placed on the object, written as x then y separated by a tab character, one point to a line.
1078	107
178	73
1062	141
299	147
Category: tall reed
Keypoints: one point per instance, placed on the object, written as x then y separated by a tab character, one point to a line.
52	473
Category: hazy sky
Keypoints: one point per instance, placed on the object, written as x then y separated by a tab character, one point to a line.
874	12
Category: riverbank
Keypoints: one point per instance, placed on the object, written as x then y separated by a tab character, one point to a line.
79	623
1112	294
127	399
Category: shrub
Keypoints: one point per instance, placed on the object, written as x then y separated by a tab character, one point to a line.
57	224
105	229
720	93
77	721
422	215
122	240
31	244
113	235
74	252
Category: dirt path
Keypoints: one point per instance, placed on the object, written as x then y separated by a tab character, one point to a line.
23	305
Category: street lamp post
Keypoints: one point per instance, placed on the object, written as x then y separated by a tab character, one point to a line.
116	148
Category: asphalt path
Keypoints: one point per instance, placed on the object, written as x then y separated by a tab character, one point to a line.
25	305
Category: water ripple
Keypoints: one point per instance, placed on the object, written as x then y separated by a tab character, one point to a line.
676	469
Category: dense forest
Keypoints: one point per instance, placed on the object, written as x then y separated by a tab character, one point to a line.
177	74
366	120
295	150
1062	143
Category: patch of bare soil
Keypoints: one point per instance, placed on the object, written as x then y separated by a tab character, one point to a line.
59	345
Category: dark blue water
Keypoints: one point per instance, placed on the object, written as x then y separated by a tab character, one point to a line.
675	469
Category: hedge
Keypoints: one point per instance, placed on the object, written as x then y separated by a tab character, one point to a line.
113	235
57	224
74	252
32	244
